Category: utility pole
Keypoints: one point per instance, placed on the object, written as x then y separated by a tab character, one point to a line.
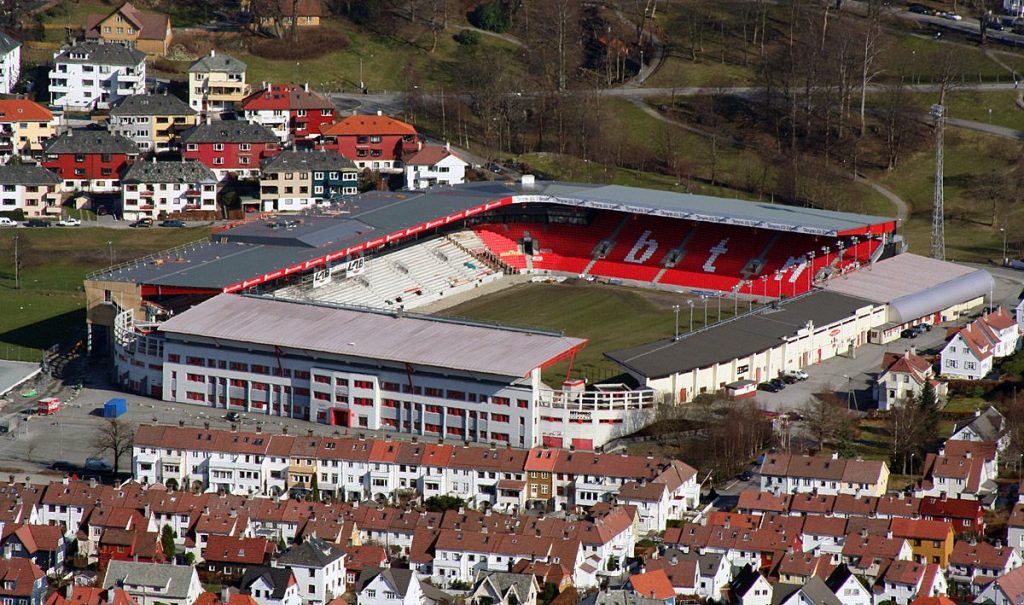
938	220
17	266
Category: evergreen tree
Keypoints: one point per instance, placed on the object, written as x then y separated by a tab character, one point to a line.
167	537
928	405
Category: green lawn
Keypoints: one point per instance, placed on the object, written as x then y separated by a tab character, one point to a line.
680	72
923	60
611	317
50	305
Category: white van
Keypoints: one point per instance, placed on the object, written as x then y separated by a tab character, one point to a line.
6	222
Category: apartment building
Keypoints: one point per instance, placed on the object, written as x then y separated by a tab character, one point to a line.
294	113
216	83
153	122
96	75
154	189
24	127
127	25
89	159
294	180
32	189
786	474
10	63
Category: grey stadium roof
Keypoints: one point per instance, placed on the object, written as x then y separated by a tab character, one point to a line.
152	105
417	340
226	262
740	337
25	174
914	286
169	172
102	54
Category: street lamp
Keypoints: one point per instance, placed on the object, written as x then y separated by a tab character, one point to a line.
705	299
810	269
778	278
690	303
675	309
110	249
1003	231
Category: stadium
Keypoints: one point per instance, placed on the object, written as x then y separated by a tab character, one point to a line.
334	317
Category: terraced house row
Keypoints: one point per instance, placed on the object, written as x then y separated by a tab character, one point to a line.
356	468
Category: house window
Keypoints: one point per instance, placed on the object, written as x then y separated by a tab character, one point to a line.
218	147
969	365
950	363
318	176
218	161
245	147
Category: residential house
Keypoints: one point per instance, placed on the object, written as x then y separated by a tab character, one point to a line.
21	582
358	558
230	147
148	32
653	585
434	165
903	377
931	541
973	565
798	567
152	583
388	586
971	350
787	474
847	588
294	113
231	557
749	587
814	592
824	535
153	122
966	516
1004	590
868	555
319	569
303	13
216	83
155	189
906	580
89	160
32	189
271	586
539	468
1015	528
89	595
988	425
95	75
376	142
116	544
24	128
10	63
617	597
42	544
504	588
294	180
955	476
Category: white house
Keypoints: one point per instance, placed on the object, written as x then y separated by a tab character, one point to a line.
95	75
1014	7
271	586
503	588
903	377
10	63
989	426
957	472
750	588
906	580
970	351
1004	590
387	586
847	588
319	569
152	583
32	189
434	165
974	564
154	188
216	83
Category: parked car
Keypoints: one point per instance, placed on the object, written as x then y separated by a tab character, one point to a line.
908	333
61	465
920	9
771	387
172	223
778	382
746	476
798	374
6	222
69	222
232	416
97	465
38	222
789	378
142	222
953	17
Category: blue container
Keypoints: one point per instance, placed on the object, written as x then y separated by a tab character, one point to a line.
114	408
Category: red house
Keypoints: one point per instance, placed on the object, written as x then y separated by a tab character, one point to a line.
90	160
293	112
966	516
377	142
130	545
230	147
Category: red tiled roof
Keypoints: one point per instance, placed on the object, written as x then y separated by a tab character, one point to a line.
952	508
1012	584
285	97
248	551
23	110
905	572
368	125
653	585
151	26
429	155
921	529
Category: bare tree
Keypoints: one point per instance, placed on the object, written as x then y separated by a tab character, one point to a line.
872	50
904	418
897	121
824	416
116	437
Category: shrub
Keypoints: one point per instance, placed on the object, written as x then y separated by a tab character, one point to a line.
492	16
14	215
467	37
310	45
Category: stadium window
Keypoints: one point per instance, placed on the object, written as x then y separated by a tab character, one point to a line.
239	366
523	403
457	395
174	358
433	392
193	396
260	369
302	374
500	400
194	361
322	379
363	384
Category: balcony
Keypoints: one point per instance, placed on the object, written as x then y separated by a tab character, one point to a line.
611	397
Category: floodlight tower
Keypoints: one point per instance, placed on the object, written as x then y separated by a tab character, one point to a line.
938	221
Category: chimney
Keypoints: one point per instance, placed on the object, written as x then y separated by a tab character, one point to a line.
888	534
309	432
259	428
207	119
181	423
207	425
380	113
835	455
967	454
447	146
213	52
419	145
306	86
977	413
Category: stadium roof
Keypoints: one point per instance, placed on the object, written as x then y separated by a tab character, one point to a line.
738	338
413	339
255	252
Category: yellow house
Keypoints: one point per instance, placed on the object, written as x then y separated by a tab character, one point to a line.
216	83
931	541
307	13
148	32
24	126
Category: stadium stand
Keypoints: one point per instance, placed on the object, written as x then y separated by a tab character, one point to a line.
406	278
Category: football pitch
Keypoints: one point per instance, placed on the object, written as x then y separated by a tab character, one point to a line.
611	317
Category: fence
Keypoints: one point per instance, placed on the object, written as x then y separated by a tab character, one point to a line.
13	352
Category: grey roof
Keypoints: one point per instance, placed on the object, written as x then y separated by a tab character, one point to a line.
314	552
277	577
781	593
707	562
7	43
292	160
748	334
504	581
397	578
24	174
377	214
618	597
410	339
101	54
743	581
229	131
219	63
818	593
152	105
91	140
177	578
989	425
189	171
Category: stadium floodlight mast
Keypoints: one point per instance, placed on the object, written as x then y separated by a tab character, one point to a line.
705	299
675	309
690	303
810	269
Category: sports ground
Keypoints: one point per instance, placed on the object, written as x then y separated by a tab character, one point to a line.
611	317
